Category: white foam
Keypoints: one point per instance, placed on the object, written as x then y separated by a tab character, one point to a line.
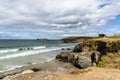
8	50
39	47
26	53
17	49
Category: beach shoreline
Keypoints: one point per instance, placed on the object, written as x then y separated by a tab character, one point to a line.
57	70
51	65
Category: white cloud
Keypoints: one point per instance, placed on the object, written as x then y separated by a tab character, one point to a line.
57	16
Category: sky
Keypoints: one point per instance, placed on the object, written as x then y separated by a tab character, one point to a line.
56	19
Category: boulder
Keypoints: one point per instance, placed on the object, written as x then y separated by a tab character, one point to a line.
82	63
80	60
68	49
63	49
27	72
2	75
63	56
35	69
78	48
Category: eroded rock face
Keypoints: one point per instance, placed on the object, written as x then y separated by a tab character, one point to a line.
89	53
63	56
78	48
103	47
113	46
80	60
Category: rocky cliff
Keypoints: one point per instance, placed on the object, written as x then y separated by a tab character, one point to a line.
89	53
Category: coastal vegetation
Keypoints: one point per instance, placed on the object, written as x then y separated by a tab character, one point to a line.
86	38
109	48
76	39
110	61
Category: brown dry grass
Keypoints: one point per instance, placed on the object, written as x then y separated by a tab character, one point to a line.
107	39
111	60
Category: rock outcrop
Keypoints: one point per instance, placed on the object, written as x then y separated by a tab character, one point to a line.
100	46
78	48
80	60
88	53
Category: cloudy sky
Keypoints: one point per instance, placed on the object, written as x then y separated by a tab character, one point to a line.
31	19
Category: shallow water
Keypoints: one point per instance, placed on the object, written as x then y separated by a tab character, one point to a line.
17	53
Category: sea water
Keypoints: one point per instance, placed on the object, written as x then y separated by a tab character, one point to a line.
18	53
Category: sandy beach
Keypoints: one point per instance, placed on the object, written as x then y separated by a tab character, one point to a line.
51	66
55	70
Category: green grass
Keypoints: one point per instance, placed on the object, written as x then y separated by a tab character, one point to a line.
107	59
101	64
110	61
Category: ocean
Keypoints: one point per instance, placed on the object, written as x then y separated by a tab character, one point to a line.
18	53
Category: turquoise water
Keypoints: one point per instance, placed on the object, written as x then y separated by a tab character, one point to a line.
18	53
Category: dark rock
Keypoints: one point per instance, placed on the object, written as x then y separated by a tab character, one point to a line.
63	49
113	46
68	49
80	60
95	58
63	56
2	75
101	47
78	48
36	69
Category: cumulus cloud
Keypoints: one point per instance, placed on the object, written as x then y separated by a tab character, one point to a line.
59	18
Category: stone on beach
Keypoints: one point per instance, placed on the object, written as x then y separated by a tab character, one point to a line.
27	71
2	75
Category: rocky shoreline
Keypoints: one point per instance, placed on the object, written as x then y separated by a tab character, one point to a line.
82	56
89	53
52	66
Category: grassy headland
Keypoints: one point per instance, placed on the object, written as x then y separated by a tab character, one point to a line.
109	47
76	39
86	38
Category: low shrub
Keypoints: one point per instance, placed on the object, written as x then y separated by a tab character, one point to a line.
101	64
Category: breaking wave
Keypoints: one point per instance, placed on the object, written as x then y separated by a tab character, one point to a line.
22	49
